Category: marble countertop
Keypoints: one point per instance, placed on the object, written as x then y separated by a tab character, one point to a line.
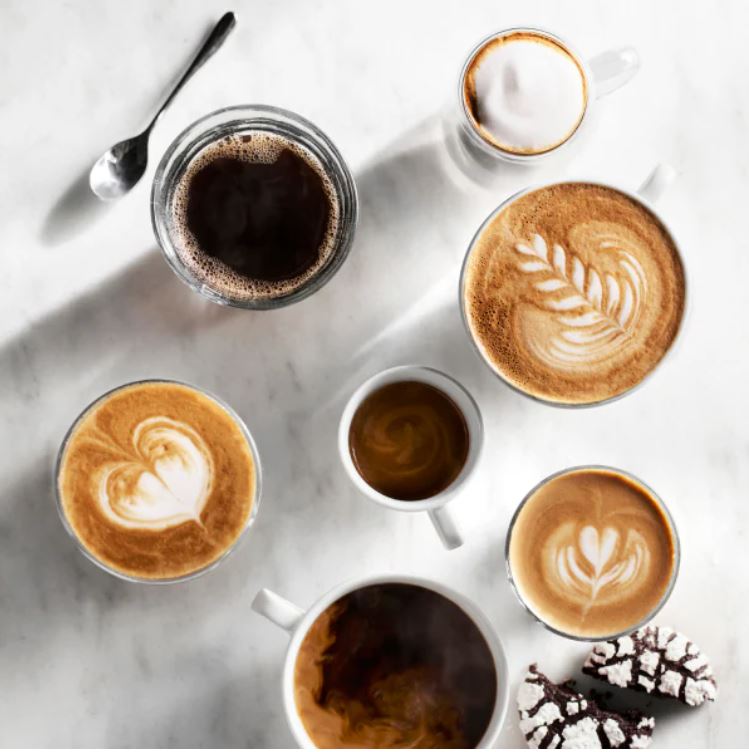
88	303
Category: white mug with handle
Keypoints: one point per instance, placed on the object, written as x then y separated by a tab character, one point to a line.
602	74
297	622
436	506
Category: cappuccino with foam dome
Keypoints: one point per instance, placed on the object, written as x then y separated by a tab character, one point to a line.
574	292
157	480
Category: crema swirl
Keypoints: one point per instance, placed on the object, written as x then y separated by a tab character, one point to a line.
157	480
574	292
592	552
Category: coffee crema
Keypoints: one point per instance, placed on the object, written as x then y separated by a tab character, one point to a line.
255	216
395	666
592	553
525	93
574	292
409	440
157	480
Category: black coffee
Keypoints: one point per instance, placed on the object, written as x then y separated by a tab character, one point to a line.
256	215
395	666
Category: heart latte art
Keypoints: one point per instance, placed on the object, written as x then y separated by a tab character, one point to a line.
574	292
592	552
166	483
157	480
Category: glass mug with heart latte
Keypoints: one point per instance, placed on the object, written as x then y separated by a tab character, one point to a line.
157	481
574	292
592	553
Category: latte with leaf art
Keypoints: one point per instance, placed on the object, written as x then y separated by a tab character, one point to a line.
157	480
574	292
592	552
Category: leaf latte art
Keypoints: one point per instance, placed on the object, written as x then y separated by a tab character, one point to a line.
592	552
573	292
157	480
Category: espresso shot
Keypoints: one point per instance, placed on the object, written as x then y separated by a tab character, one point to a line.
395	666
409	440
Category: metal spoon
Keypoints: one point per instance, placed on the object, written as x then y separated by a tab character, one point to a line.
120	168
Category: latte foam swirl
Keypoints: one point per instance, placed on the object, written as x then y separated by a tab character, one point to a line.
166	483
157	480
591	552
574	292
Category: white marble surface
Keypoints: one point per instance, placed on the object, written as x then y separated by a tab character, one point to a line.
87	303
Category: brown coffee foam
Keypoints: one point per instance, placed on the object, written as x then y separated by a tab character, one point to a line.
255	147
104	437
550	524
394	666
469	86
514	322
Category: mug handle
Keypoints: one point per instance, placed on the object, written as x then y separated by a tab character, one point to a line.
281	612
613	69
657	182
446	527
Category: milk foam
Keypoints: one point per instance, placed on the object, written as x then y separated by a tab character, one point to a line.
166	483
529	94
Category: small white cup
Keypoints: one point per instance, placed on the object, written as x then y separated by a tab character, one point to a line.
442	519
297	622
479	159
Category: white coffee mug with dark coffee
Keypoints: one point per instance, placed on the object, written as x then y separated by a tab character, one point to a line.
573	293
435	504
457	643
525	94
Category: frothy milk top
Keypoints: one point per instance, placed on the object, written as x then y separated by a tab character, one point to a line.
157	480
525	93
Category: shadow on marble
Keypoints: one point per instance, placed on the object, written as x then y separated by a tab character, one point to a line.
75	211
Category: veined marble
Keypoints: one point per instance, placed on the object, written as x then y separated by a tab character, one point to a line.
88	303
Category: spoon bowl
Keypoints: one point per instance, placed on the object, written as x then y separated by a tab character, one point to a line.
120	168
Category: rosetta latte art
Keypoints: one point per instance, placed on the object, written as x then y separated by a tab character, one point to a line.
584	316
166	483
590	562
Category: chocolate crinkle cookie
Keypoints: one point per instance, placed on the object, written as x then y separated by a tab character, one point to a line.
655	660
555	716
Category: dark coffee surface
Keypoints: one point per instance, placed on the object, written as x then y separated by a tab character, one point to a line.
265	221
409	440
255	216
395	665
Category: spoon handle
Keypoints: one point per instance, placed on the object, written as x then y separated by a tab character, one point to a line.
215	39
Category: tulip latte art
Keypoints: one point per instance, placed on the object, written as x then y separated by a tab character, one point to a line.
574	292
157	480
592	552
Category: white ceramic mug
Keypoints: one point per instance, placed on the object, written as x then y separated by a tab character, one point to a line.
603	74
647	194
442	519
297	622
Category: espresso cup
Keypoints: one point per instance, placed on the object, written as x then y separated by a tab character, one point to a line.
156	499
592	553
299	622
535	254
599	76
436	506
295	236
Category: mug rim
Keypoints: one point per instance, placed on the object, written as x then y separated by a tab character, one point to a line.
497	151
474	613
663	509
475	430
256	497
633	195
332	162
